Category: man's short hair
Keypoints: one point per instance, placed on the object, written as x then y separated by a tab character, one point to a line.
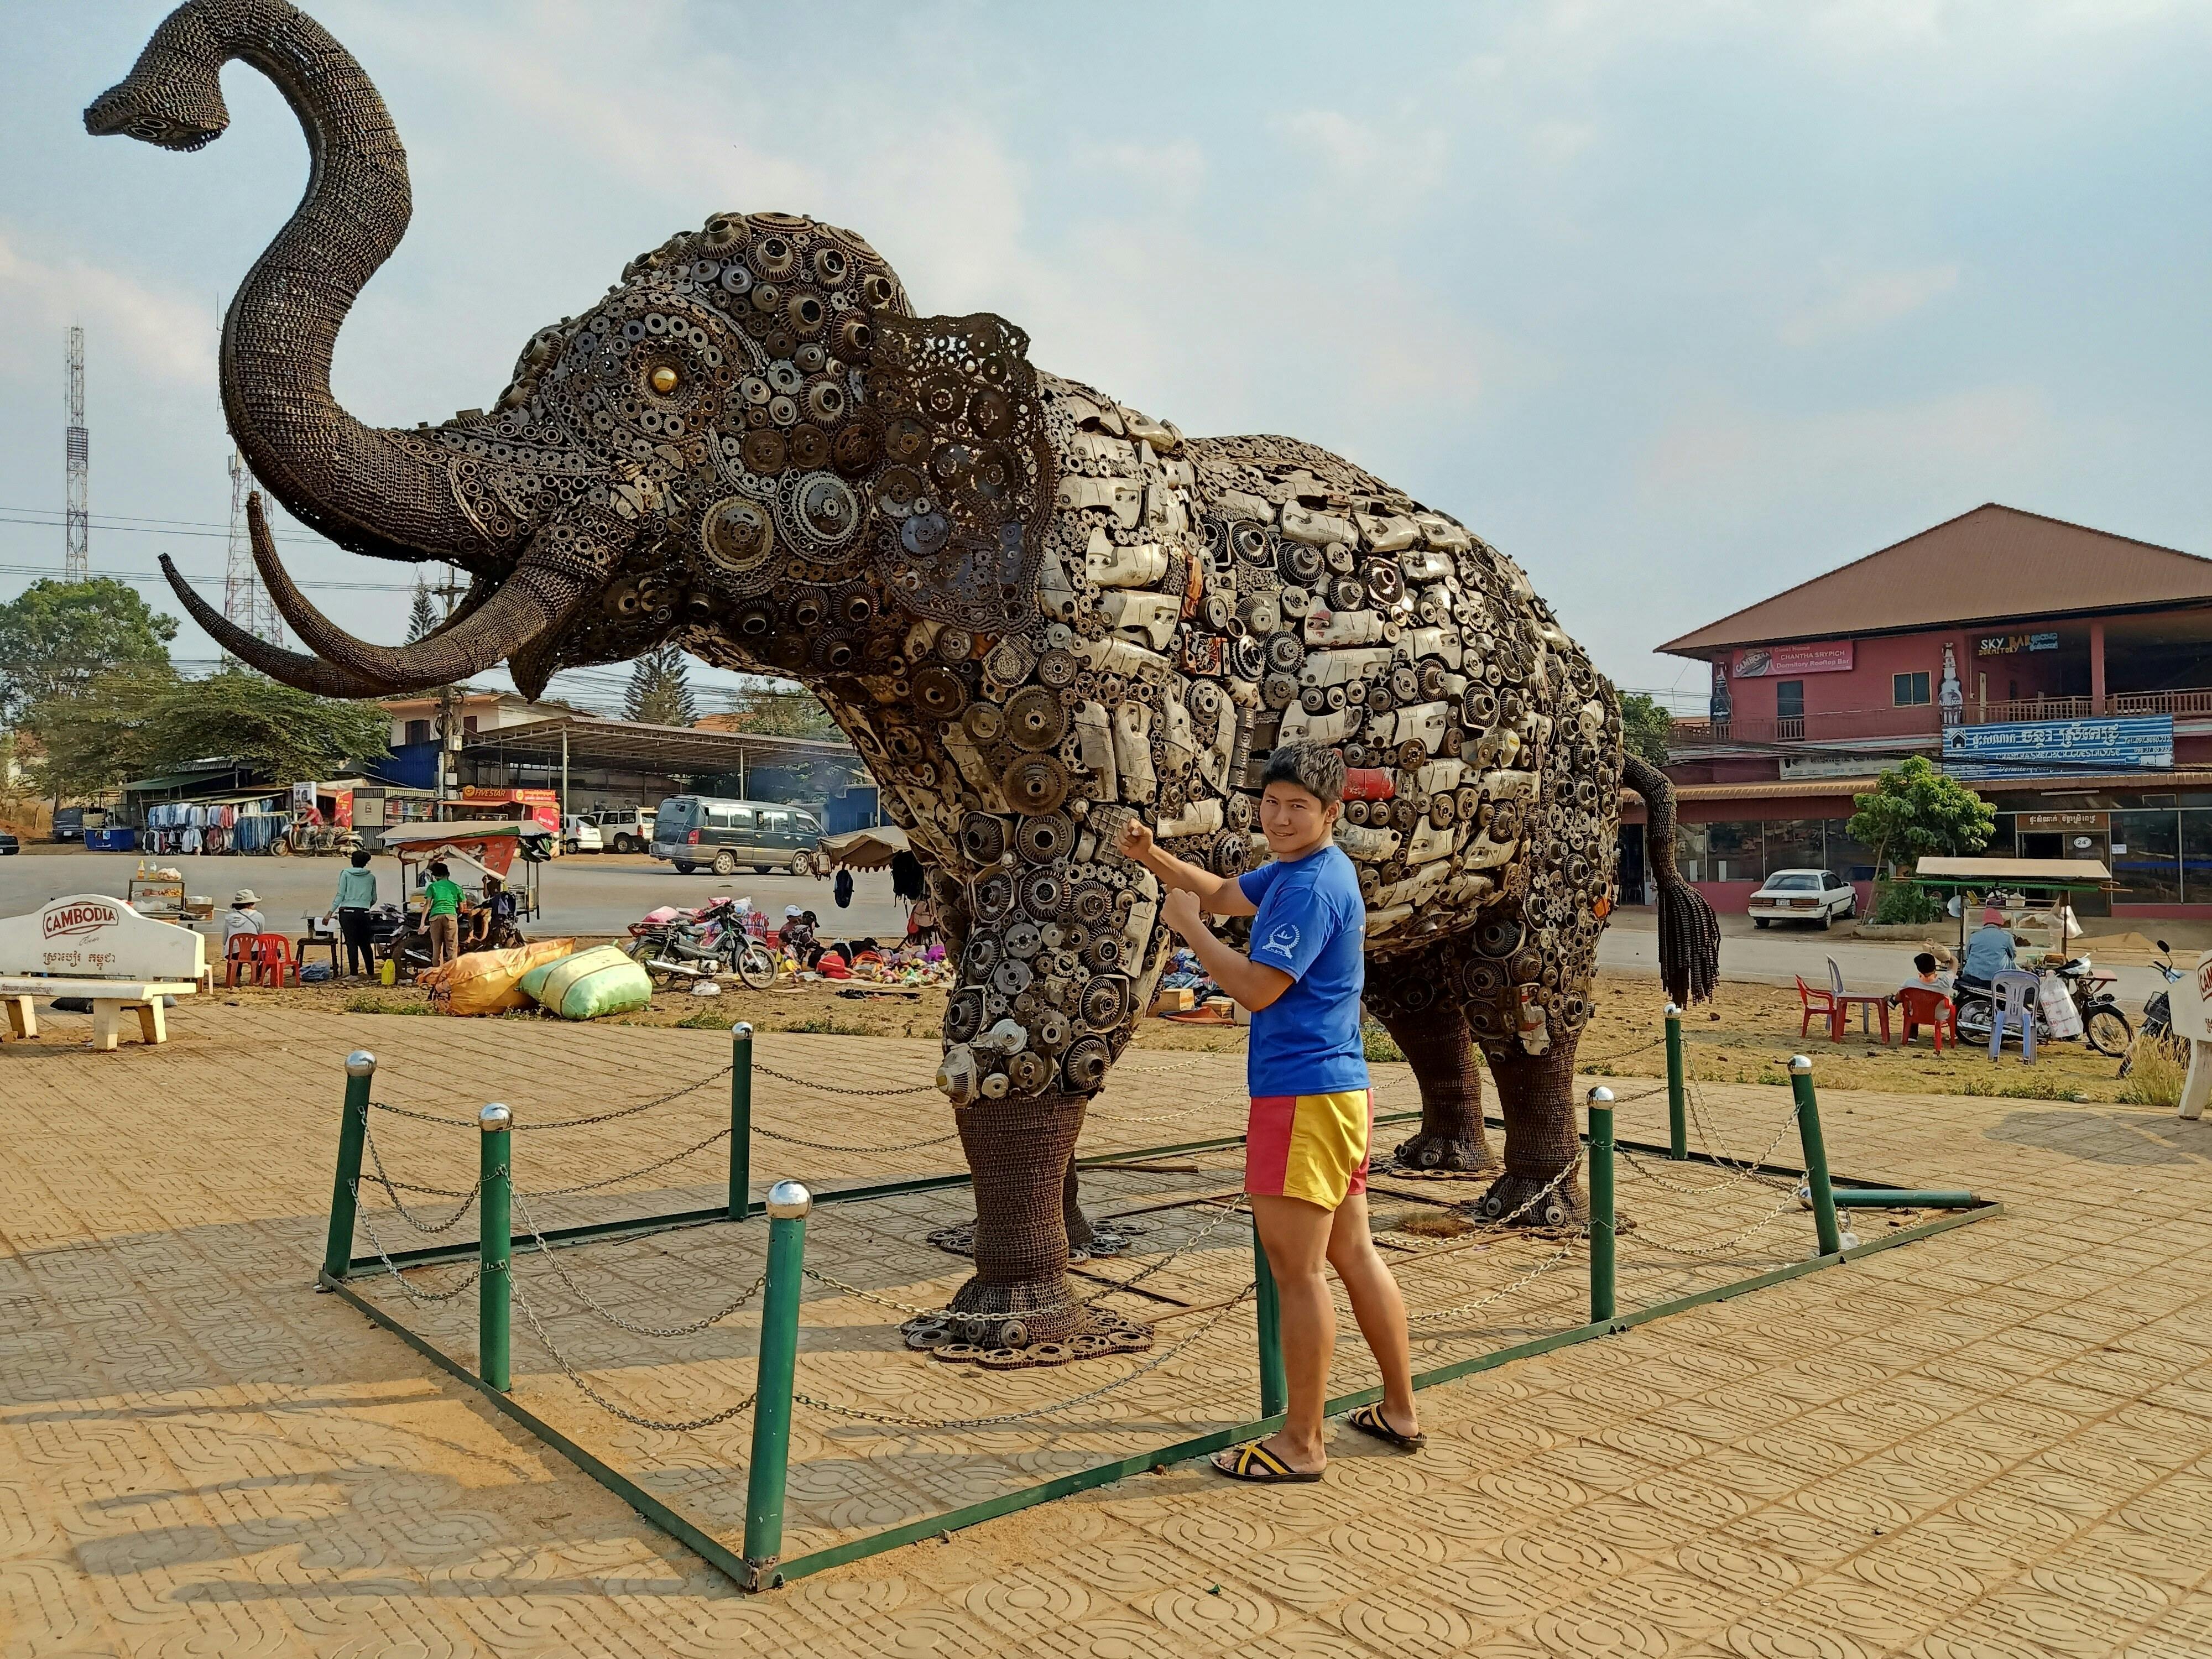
438	871
1925	962
1318	771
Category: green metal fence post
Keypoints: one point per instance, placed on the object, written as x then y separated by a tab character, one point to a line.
1601	1192
352	1128
788	1203
1275	1388
495	1244
1678	1103
741	1119
1816	1155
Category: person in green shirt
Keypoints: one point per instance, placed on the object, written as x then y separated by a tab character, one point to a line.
356	897
443	911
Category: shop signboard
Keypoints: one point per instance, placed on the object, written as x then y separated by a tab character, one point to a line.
2012	749
2010	645
1765	661
2069	824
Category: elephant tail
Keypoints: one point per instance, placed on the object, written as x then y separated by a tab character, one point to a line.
1689	931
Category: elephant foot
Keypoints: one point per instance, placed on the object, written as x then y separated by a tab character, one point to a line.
1518	1200
1444	1155
1010	1344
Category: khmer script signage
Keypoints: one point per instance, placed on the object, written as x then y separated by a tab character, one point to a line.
2136	742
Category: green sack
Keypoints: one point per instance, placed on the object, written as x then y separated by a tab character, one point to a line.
534	983
600	981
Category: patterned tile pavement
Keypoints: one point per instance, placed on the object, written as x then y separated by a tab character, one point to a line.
1996	1442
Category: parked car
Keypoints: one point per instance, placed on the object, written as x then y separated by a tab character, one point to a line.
1820	896
72	821
9	844
691	830
624	828
579	835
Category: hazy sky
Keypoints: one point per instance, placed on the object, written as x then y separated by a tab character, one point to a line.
1677	302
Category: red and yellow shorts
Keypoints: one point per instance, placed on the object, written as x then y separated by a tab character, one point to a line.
1309	1146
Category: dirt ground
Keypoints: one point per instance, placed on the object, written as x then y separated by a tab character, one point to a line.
1747	1034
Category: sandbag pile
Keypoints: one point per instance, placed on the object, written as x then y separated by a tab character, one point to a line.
589	984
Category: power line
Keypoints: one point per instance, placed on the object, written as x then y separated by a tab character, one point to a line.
157	577
48	520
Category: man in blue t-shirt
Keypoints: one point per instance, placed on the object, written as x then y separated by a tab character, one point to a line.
1305	1148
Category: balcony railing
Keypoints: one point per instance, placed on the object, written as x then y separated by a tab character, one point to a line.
1924	720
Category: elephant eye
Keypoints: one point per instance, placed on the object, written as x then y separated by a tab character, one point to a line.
665	380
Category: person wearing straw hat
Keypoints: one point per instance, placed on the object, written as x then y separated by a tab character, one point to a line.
1989	953
242	917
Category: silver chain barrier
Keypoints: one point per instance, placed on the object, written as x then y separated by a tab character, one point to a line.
421	1298
697	1146
616	1319
392	1189
561	1122
1506	1289
1151	1365
836	1146
610	1406
837	1089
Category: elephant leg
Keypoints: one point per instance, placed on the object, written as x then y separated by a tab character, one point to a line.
1021	1151
1074	1223
1435	1041
1536	1097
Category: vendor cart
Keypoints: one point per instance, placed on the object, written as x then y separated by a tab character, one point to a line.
511	851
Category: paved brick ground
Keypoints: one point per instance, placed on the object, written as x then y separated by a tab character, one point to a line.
1994	1442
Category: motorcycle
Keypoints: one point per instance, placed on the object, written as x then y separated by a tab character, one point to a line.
2158	1012
2103	1025
711	943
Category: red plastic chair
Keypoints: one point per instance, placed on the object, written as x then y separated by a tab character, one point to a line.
1925	1005
1823	1003
239	956
272	955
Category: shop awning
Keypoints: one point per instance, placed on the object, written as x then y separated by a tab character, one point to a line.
864	849
2078	875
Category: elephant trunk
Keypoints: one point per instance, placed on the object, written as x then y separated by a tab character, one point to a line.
376	491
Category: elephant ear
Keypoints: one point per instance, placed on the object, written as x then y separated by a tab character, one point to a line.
967	483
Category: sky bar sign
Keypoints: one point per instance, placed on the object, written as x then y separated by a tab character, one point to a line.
2137	743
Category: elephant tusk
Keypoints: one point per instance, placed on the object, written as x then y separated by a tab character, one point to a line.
520	610
294	668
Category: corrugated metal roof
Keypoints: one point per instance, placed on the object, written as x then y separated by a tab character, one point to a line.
2096	783
1993	564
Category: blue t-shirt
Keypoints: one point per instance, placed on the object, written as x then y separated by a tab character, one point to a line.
1312	924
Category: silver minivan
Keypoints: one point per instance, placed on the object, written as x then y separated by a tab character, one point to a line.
725	835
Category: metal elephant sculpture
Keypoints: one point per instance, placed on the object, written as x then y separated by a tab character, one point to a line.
1034	609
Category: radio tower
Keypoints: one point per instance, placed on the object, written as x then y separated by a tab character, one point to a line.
244	603
76	557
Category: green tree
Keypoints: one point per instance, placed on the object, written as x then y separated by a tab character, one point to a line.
58	636
1645	727
422	615
773	708
1915	811
94	738
659	691
132	722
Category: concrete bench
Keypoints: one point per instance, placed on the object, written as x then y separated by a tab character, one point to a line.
109	998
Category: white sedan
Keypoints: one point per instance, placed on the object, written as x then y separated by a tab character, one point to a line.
579	835
1820	896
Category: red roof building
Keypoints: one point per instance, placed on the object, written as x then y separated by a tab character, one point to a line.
2065	672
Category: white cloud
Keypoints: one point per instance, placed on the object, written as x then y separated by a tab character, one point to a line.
1857	304
1972	441
1359	165
1172	175
155	333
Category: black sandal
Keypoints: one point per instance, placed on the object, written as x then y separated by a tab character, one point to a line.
1256	1463
1369	1419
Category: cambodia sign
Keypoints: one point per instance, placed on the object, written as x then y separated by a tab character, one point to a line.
91	936
2063	822
2007	645
1763	661
2012	749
